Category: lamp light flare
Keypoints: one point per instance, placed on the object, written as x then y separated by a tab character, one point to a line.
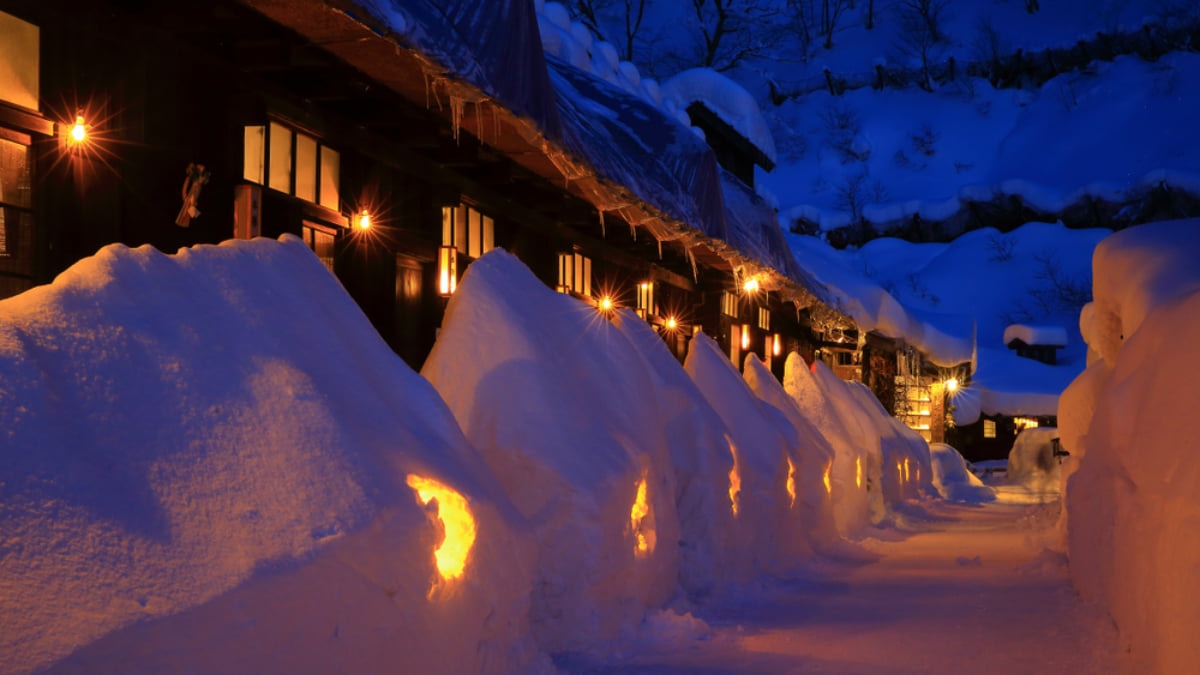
363	220
952	385
671	323
751	285
606	303
457	523
78	130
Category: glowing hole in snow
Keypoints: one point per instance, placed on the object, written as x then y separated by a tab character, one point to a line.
735	479
828	484
858	472
906	469
457	522
641	521
791	481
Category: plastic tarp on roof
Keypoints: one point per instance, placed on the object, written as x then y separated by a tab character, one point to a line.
493	45
632	143
755	232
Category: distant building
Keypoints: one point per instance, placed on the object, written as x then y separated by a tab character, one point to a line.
1040	343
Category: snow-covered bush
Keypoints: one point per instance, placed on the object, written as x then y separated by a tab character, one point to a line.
1031	462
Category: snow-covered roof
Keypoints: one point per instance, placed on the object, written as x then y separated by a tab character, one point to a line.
727	99
492	45
632	143
1052	336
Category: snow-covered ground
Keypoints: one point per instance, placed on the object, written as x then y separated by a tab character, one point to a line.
952	589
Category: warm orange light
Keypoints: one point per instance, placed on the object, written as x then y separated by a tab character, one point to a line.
606	303
447	270
791	481
777	345
828	483
751	285
735	479
952	385
78	133
745	336
858	472
363	220
671	324
457	524
641	521
906	469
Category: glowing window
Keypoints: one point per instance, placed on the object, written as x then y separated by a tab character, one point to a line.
306	168
729	304
989	428
646	305
291	162
467	230
19	52
574	274
764	318
321	240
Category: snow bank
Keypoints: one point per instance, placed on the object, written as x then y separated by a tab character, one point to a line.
814	391
206	465
758	482
808	455
1031	462
708	560
905	461
952	478
1131	504
565	412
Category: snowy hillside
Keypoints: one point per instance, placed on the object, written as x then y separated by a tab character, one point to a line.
1075	120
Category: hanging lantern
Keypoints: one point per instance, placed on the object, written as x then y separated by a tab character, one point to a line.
447	270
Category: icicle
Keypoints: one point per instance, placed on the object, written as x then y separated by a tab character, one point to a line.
479	120
633	231
456	113
659	247
603	233
692	260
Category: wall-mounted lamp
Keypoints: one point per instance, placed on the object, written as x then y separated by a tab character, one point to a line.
447	270
952	385
362	221
605	304
751	286
671	324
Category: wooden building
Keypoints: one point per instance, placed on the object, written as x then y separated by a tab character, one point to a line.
400	144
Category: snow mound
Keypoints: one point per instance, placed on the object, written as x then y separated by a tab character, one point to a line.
564	411
952	478
1031	462
759	477
210	452
1131	503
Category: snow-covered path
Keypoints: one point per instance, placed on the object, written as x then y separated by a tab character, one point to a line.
967	589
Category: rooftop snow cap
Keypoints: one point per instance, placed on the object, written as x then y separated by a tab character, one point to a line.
1049	336
726	99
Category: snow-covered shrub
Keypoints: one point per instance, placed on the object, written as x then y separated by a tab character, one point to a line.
1032	463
